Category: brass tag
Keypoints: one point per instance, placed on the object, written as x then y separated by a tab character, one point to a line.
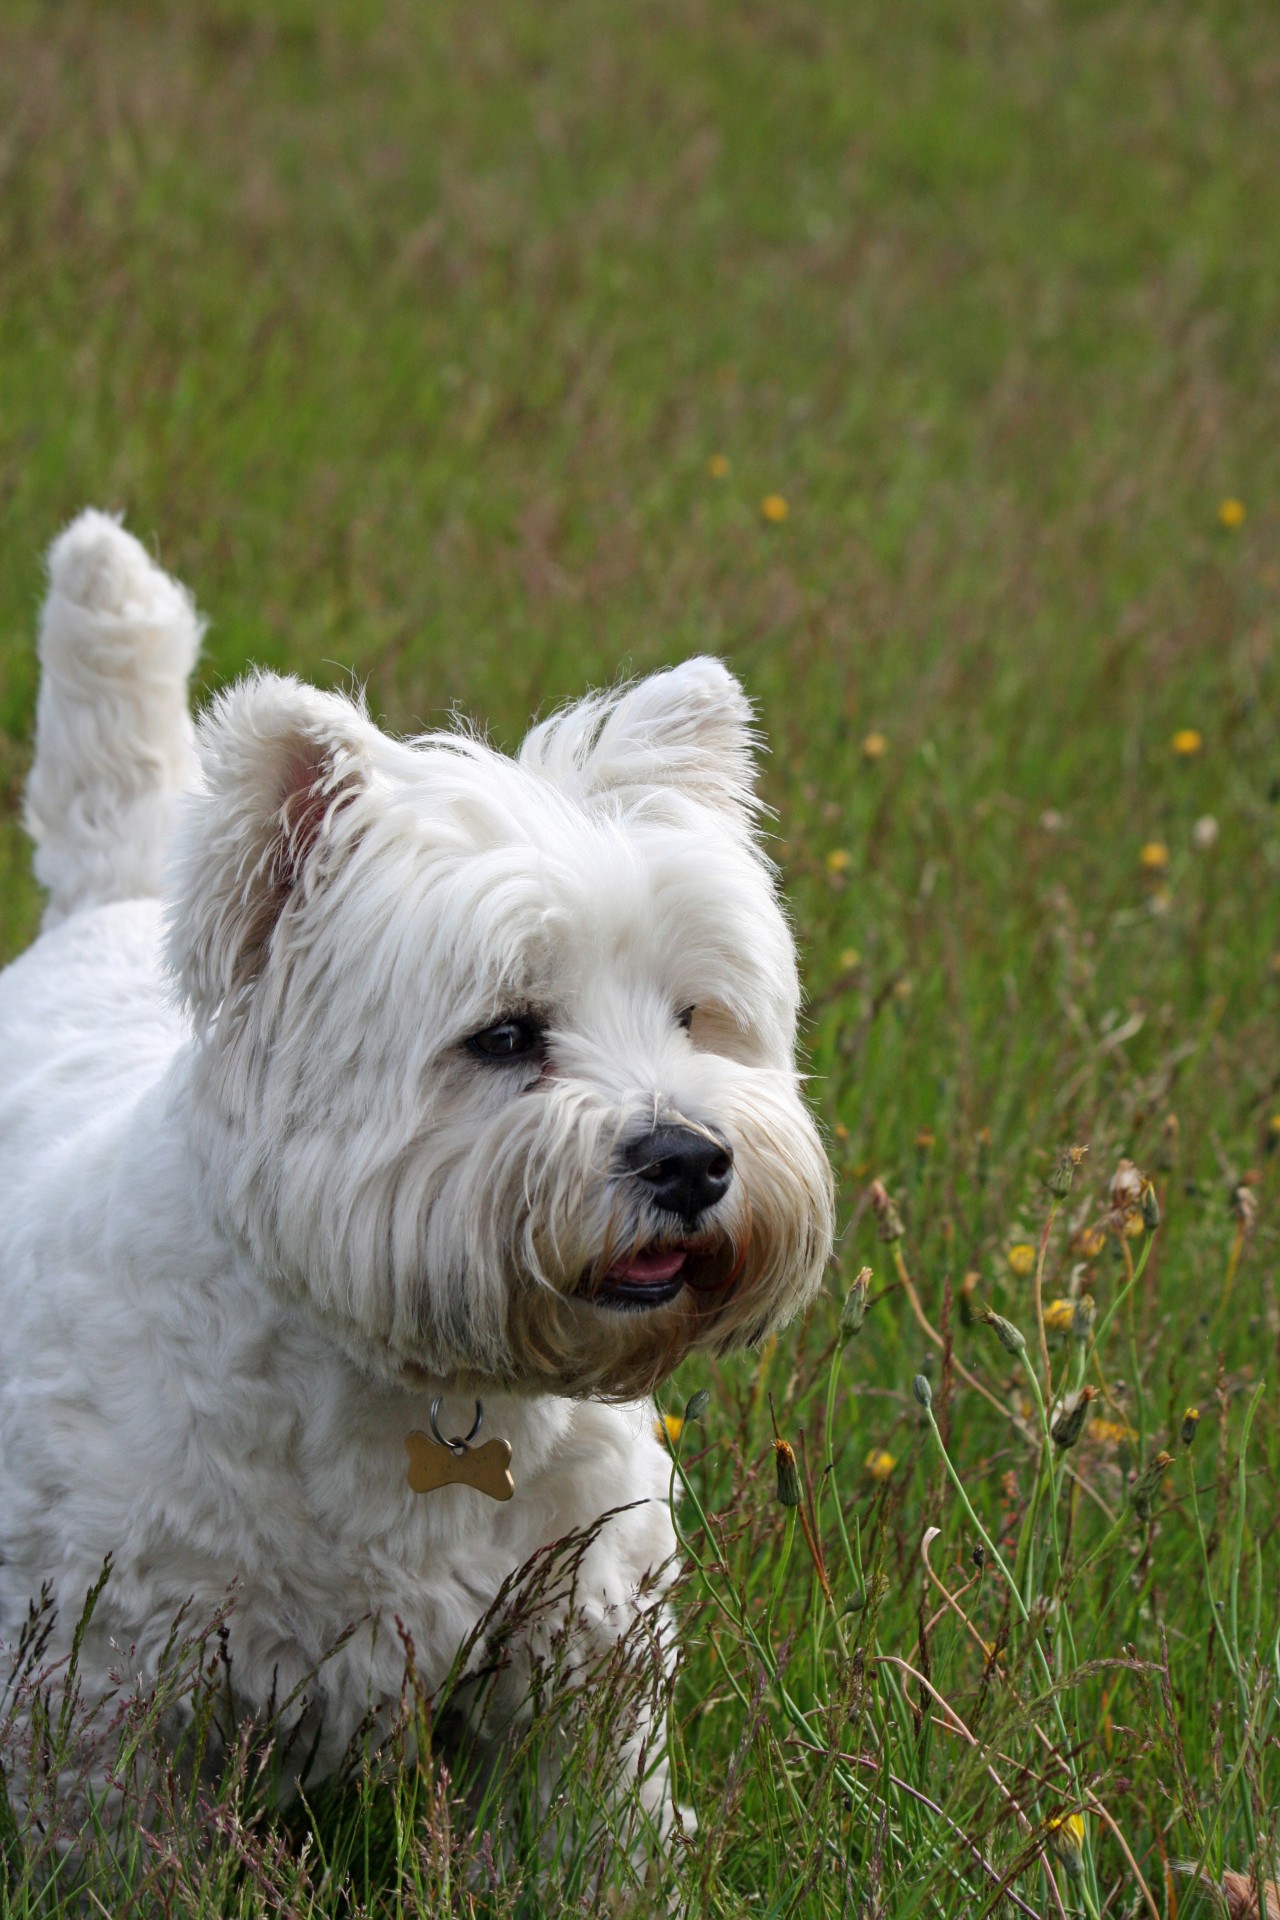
486	1468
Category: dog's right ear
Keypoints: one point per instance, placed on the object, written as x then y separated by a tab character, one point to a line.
282	764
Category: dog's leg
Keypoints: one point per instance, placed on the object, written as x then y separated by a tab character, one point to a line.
118	639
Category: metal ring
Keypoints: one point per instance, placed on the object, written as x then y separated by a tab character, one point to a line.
457	1445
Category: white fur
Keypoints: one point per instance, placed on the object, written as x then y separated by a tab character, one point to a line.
261	1210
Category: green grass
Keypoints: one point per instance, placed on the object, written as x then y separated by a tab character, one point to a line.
405	334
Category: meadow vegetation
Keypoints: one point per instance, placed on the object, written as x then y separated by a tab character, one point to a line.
923	362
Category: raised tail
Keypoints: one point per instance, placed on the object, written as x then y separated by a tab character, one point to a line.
118	639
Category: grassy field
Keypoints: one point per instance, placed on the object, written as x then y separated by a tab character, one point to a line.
462	347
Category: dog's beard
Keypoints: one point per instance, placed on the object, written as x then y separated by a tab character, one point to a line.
552	1219
482	1251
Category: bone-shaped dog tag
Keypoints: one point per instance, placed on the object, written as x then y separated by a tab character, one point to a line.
486	1468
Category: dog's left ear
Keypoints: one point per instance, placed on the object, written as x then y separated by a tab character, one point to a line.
690	728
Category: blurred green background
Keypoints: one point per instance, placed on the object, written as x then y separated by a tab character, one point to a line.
461	348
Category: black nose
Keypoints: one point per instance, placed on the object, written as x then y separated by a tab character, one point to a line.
686	1172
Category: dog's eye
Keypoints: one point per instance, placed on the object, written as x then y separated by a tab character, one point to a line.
508	1040
685	1017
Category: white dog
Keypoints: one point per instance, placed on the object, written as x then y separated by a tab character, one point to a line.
353	1082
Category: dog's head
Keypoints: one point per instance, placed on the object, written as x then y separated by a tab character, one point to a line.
494	1058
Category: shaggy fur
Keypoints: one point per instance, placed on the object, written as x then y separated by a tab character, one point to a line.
264	1200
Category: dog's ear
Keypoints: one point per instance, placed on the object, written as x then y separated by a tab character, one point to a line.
689	728
281	765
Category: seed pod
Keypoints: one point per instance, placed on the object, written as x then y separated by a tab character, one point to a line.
854	1310
922	1391
1069	1424
1006	1333
1190	1424
1150	1207
784	1460
1147	1485
979	1556
1126	1190
697	1404
888	1219
1059	1181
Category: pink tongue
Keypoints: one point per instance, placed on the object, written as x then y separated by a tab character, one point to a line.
654	1267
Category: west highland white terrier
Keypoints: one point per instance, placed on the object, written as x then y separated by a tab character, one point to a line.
357	1090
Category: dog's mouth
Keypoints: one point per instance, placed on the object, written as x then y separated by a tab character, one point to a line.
654	1276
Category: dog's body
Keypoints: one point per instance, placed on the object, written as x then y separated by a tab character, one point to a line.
436	1074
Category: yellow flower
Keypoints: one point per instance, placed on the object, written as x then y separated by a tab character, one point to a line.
1154	857
1110	1432
837	860
1066	1837
1231	513
1022	1259
850	959
718	466
1090	1241
874	747
669	1427
1059	1316
880	1464
774	508
1186	741
902	989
